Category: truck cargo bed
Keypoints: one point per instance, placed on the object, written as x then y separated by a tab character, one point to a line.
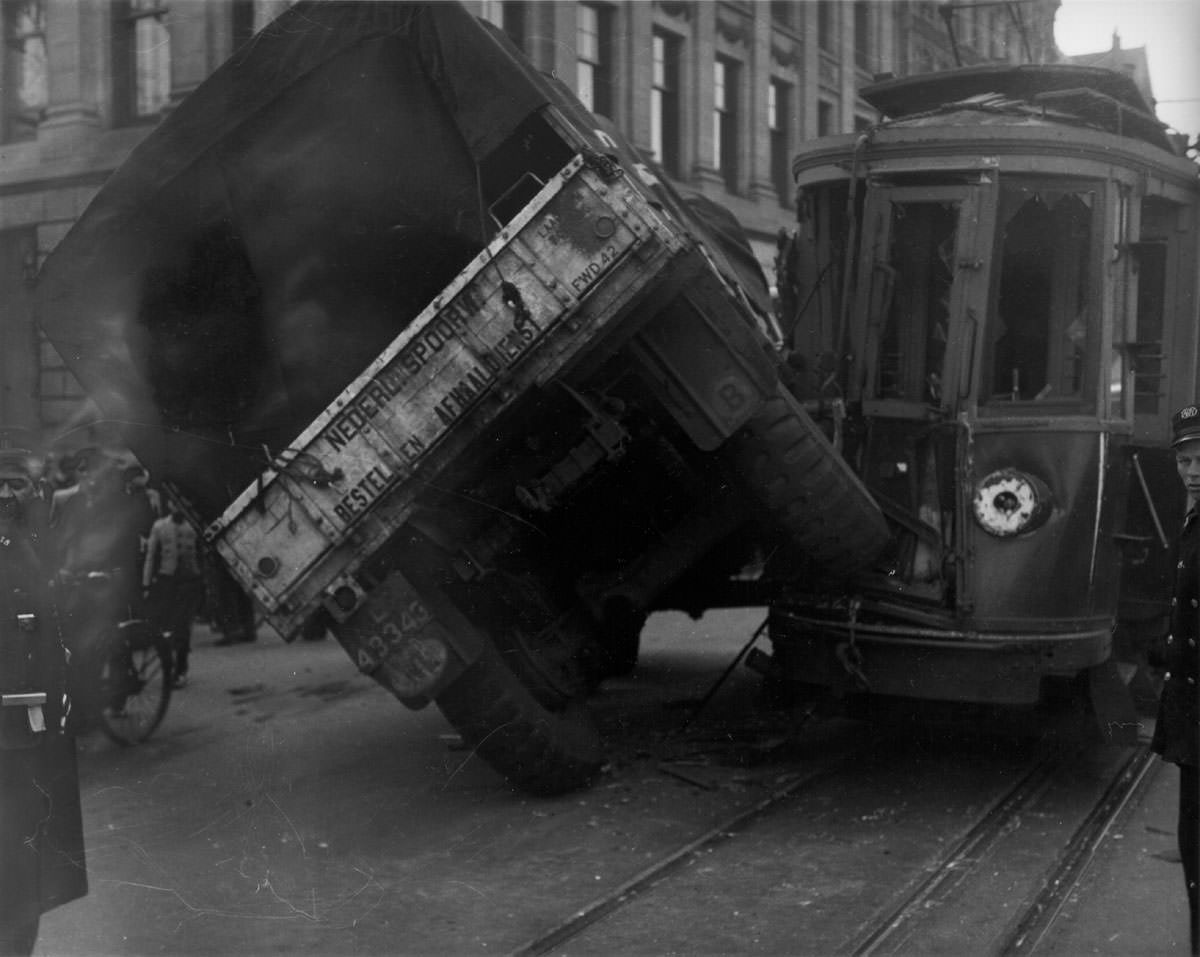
542	294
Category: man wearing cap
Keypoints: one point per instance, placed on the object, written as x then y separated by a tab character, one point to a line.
41	833
1177	732
171	579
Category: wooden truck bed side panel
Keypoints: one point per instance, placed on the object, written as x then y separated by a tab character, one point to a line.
507	321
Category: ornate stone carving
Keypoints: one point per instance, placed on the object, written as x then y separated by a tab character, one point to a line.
675	8
733	24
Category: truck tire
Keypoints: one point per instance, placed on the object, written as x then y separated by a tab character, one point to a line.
807	489
537	750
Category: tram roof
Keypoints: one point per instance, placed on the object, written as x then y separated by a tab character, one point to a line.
1061	92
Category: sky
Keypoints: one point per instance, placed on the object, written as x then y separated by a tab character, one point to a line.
1170	31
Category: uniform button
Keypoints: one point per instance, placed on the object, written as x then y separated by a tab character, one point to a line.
1170	638
1179	566
1195	603
1174	602
1167	676
1191	680
1192	642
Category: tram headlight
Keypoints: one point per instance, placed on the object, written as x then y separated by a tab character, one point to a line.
1009	502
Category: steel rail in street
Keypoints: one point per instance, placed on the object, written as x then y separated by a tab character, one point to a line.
650	876
1042	911
958	861
893	931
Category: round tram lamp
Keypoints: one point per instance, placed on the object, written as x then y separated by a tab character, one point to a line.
1009	503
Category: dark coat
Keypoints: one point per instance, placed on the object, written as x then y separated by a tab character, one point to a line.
1176	734
41	831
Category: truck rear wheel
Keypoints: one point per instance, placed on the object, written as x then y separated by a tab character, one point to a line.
539	750
520	704
807	489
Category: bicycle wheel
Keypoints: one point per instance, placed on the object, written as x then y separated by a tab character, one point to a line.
135	683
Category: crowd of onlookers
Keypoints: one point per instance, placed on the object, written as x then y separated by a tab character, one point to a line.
107	516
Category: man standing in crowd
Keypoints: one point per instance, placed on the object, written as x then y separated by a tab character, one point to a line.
172	581
41	831
1176	734
98	527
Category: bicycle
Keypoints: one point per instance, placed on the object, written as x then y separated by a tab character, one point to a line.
121	667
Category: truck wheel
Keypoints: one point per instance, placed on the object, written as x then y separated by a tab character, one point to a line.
807	489
538	750
615	653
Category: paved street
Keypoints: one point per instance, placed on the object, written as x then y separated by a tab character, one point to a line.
288	806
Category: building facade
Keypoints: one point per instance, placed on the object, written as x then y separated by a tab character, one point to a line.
718	92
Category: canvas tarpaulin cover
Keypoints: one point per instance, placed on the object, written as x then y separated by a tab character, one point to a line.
264	243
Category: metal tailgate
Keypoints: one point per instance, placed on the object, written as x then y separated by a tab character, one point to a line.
506	322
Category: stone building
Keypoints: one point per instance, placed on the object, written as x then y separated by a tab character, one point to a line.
720	92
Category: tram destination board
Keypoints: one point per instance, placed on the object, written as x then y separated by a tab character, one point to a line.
501	325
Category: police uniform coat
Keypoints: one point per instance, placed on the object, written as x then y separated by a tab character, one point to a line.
41	832
1177	732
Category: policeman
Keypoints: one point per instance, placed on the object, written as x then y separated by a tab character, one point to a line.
1176	733
41	832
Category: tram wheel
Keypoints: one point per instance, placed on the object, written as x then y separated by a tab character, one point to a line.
807	489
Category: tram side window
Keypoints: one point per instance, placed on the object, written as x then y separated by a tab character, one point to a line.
1150	370
1038	345
920	271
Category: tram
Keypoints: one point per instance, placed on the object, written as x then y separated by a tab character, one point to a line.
990	300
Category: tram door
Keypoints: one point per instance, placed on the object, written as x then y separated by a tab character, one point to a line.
919	302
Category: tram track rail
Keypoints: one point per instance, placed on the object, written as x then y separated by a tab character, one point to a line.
662	869
1041	912
897	927
955	865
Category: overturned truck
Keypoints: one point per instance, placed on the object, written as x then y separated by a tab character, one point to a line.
444	368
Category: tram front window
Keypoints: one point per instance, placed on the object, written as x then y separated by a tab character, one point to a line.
1041	344
920	271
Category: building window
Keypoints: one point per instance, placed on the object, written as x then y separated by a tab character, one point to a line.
593	42
779	116
142	60
664	102
25	67
59	392
509	16
781	12
864	45
242	21
824	118
825	26
725	121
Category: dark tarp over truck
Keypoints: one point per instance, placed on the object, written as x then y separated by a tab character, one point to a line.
358	180
262	245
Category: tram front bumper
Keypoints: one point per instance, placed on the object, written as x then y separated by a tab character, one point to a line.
928	664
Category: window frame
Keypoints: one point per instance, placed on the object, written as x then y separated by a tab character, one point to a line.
595	64
127	18
665	106
726	118
21	119
1088	400
780	95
